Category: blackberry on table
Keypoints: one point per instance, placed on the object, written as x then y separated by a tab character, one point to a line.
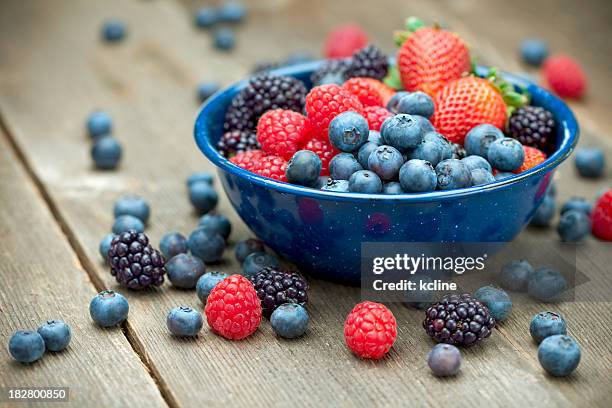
275	287
135	264
237	141
533	126
369	61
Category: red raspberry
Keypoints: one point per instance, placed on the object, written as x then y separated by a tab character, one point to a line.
280	132
385	91
325	151
272	167
601	217
325	102
565	76
533	157
233	309
364	90
376	115
247	160
344	40
370	330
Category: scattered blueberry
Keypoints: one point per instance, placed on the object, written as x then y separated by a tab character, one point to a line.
206	17
546	324
402	131
574	226
289	320
339	186
476	162
576	203
363	155
392	187
99	123
203	196
184	270
444	360
108	308
56	334
124	223
113	30
559	355
506	154
544	213
246	247
452	174
590	162
534	51
417	176
207	282
497	300
224	39
217	223
206	89
304	168
106	152
546	284
200	176
232	12
481	176
365	181
416	103
184	322
172	244
348	131
500	175
479	139
134	206
256	261
105	246
386	162
206	244
26	346
515	275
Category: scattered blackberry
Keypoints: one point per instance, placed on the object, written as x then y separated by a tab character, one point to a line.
459	320
134	262
458	151
533	126
330	72
237	141
275	287
370	62
264	92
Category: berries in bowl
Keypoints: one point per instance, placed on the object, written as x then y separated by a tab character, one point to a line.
416	175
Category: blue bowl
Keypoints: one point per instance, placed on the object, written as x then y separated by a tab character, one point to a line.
321	232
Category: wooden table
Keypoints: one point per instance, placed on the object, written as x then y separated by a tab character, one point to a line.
55	209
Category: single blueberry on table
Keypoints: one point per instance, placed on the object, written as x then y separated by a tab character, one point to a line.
257	261
416	103
200	176
348	131
105	246
56	334
386	162
232	12
99	123
417	176
206	244
184	270
184	321
217	223
515	275
26	346
479	139
364	154
365	181
534	51
546	284
574	226
289	320
476	162
506	154
452	174
590	162
431	149
113	30
246	247
544	213
339	186
404	132
206	17
481	176
444	360
172	244
394	101
134	206
224	39
497	300
343	165
577	203
108	308
546	324
304	168
207	282
125	223
559	355
203	196
106	152
392	187
206	89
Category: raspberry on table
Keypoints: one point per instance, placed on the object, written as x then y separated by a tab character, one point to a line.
375	116
601	217
370	330
280	132
565	76
325	150
533	157
364	90
273	167
248	159
325	102
344	40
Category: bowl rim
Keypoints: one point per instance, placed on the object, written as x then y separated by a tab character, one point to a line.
568	122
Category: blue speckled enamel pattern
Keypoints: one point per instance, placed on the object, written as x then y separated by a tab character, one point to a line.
321	231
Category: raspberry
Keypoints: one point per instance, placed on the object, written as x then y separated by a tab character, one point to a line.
325	151
565	76
233	309
533	157
325	102
368	62
376	115
272	167
344	40
281	131
247	160
385	91
364	90
370	330
601	217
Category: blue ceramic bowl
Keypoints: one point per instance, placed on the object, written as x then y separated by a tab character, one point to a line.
321	232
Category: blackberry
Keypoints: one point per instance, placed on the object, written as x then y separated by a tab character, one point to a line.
459	320
264	92
275	287
458	151
134	262
533	126
237	141
369	61
331	72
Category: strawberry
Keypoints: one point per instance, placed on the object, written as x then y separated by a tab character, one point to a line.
375	116
601	217
533	157
364	90
325	151
247	160
325	102
565	76
344	40
271	166
281	131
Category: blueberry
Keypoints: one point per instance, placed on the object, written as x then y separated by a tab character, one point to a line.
546	284
56	334
515	275
113	30
348	131
134	206
452	174
431	149
386	162
184	270
481	176
105	246
203	196
206	244
392	187
200	176
577	203
365	181
590	162
394	101
321	182
224	39
106	152
533	51
404	132
417	176
26	346
477	162
364	154
416	103
232	12
544	213
206	17
184	322
426	125
497	300
340	186
574	226
217	223
479	139
559	355
99	123
124	223
374	137
246	247
506	154
207	282
206	89
343	165
172	244
256	262
500	175
444	360
546	324
304	168
108	308
289	320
